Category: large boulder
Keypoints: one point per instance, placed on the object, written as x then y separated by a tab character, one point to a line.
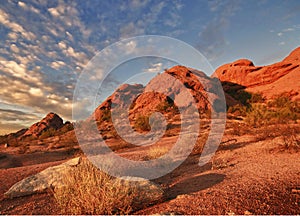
49	178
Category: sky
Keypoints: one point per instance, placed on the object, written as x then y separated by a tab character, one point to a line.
45	45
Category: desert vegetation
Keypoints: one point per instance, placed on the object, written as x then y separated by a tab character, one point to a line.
156	152
268	119
142	123
88	190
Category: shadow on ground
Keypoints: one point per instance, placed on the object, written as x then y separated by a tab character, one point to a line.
194	184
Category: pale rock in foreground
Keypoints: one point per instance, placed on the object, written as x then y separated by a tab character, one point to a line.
52	177
148	192
49	178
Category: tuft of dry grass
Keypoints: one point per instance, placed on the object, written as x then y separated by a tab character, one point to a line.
291	139
88	190
156	152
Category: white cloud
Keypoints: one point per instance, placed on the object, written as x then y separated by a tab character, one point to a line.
155	68
54	12
15	27
14	48
130	30
279	34
62	45
13	35
138	3
14	69
22	4
130	46
57	64
36	92
288	30
26	7
70	52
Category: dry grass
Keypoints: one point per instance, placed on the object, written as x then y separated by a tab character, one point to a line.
88	190
156	152
291	139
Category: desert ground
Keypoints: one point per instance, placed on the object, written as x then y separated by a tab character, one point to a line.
253	172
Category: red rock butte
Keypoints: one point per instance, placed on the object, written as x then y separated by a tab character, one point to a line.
270	80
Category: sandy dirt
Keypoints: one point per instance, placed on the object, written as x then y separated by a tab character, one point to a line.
246	176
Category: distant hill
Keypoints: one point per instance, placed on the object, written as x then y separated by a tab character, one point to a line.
51	125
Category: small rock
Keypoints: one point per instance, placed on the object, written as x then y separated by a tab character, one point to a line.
247	213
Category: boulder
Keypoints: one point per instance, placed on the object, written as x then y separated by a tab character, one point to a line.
46	179
148	192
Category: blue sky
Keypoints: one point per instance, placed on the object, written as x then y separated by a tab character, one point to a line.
45	45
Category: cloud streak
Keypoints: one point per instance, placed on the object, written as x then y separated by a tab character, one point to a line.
212	38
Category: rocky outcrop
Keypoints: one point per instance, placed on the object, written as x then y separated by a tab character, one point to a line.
268	80
52	177
49	178
51	121
294	56
123	94
146	100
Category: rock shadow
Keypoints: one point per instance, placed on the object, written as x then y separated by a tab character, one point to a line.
194	184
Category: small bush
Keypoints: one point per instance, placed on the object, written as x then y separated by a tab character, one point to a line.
290	136
258	115
142	123
48	133
106	115
256	98
164	106
156	152
238	110
88	190
279	110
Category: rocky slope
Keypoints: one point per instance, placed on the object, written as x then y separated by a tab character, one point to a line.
161	92
270	80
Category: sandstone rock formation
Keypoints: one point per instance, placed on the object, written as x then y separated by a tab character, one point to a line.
123	94
146	100
51	121
270	80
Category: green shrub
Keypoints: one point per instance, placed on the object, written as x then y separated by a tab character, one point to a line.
256	98
238	110
164	106
280	110
48	133
106	115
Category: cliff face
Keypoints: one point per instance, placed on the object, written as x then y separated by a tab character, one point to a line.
270	80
